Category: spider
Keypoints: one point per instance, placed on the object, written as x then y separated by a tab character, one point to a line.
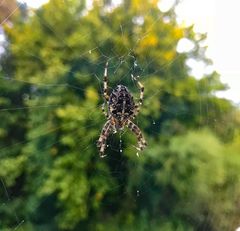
121	110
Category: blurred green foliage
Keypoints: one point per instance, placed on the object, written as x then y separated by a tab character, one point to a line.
50	96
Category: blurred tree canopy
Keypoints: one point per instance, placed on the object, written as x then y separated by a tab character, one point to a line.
50	96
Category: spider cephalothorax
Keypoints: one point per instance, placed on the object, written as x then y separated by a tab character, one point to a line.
121	111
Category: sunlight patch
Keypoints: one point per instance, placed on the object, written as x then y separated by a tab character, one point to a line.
185	45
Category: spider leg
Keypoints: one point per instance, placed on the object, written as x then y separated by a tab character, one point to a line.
101	144
104	111
140	101
136	130
105	90
105	83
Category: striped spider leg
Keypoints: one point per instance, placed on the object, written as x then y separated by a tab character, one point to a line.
105	90
136	130
101	144
140	101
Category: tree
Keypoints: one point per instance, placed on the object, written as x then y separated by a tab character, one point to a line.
13	117
58	55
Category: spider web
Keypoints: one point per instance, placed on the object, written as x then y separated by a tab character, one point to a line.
116	142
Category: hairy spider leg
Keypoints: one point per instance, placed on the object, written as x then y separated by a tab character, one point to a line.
136	130
140	101
105	89
107	128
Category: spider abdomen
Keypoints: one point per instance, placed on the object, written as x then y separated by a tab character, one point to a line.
121	103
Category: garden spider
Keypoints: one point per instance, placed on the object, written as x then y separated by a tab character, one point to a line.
121	110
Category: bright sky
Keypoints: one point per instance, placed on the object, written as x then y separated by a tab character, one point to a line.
220	19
